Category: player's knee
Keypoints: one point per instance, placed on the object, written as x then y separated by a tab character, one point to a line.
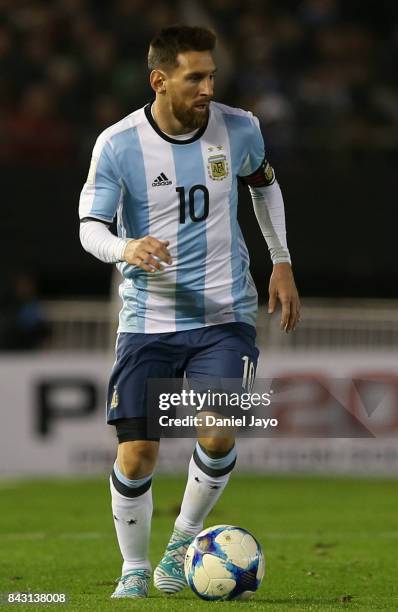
216	447
137	459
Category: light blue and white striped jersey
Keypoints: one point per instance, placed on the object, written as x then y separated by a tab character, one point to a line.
184	191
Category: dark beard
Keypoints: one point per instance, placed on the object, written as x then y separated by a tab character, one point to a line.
188	117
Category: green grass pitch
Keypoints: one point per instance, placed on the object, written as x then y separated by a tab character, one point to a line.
330	543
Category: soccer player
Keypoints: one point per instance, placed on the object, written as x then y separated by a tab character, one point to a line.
169	172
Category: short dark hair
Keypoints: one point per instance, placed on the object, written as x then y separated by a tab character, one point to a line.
175	39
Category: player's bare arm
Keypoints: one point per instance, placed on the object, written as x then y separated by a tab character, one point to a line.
282	287
147	253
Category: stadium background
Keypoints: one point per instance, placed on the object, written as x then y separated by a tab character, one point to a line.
321	75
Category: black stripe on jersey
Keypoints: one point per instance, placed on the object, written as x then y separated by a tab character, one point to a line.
85	219
157	129
164	177
264	176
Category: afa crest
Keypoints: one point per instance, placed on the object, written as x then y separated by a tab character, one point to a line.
217	167
269	173
115	399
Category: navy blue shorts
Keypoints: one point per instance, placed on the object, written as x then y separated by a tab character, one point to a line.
218	351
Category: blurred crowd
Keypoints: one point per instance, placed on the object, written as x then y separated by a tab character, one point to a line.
320	74
23	321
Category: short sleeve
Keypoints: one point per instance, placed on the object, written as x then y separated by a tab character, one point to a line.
256	170
101	192
255	149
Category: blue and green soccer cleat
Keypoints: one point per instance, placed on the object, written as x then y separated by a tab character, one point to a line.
169	575
134	584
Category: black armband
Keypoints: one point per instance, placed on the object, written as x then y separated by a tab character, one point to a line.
264	176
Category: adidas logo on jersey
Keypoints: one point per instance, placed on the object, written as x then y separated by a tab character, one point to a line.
161	180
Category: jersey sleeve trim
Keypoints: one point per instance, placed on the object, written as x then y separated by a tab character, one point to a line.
93	218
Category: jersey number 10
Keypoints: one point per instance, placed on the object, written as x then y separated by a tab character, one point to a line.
191	203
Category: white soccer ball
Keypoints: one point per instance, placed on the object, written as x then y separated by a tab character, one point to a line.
224	562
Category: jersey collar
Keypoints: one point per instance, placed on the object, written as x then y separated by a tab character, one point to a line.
148	114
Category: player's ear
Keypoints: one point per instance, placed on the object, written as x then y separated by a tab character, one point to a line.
157	79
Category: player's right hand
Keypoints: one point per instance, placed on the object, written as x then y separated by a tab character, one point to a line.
147	253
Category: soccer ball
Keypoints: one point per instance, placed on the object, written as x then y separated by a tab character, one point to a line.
224	562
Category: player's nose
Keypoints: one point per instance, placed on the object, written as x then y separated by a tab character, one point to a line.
206	88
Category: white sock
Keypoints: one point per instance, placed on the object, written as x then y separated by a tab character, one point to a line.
207	479
132	513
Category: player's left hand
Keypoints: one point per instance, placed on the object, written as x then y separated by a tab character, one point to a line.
283	287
